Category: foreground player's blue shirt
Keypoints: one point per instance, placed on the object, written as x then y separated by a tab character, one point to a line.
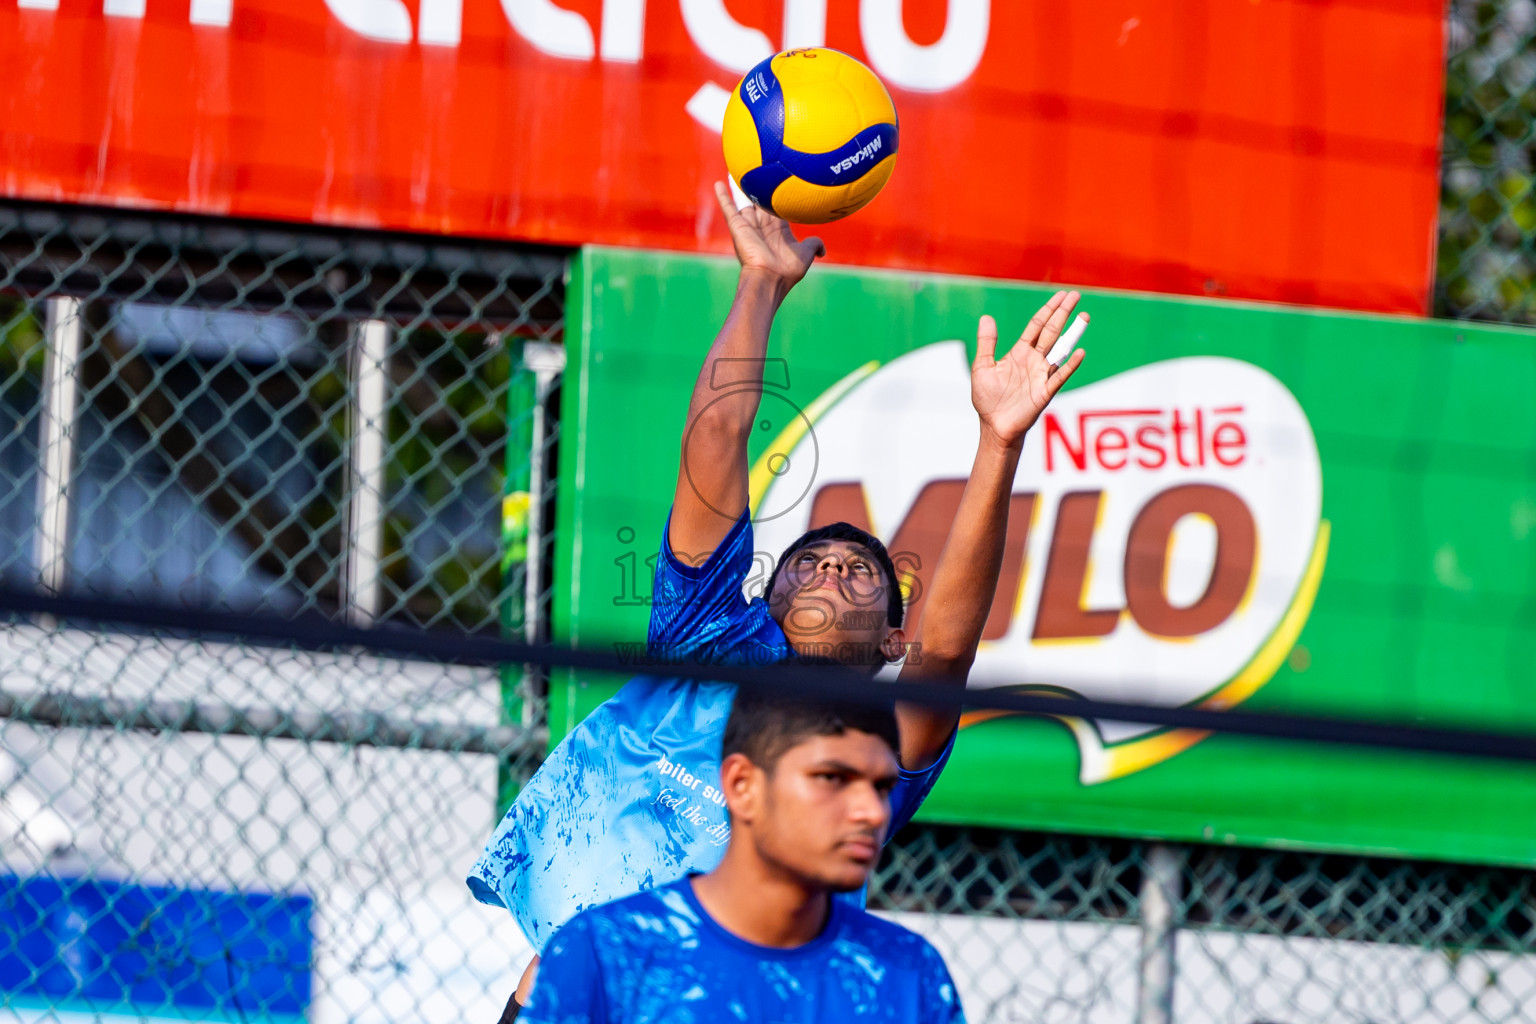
628	801
659	958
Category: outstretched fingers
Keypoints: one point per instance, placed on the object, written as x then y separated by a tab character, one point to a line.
1058	375
727	202
1061	307
1039	320
1058	353
807	248
986	341
811	248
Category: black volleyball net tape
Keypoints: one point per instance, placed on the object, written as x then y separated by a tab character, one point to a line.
319	634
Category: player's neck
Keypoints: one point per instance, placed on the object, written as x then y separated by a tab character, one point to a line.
753	900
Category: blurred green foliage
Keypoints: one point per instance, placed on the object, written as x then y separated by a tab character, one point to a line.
21	339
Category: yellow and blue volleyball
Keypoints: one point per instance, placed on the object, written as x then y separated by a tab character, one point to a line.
810	135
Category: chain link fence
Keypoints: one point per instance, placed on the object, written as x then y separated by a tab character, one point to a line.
1057	928
284	419
1487	258
274	420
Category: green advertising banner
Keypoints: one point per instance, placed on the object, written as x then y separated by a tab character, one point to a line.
1230	504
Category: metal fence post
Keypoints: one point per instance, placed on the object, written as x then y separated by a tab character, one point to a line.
547	361
56	442
1161	893
365	533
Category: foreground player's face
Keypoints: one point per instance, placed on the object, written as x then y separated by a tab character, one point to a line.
830	598
821	814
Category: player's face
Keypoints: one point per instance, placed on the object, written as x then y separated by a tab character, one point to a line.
826	807
830	598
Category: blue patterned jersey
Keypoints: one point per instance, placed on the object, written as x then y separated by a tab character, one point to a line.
628	800
659	958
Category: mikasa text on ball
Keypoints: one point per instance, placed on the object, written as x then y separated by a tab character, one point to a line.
810	135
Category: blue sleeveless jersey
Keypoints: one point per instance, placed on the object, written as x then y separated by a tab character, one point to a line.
628	800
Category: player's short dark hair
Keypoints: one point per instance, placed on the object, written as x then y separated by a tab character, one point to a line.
895	610
763	725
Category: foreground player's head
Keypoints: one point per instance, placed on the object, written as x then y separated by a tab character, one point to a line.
808	786
835	594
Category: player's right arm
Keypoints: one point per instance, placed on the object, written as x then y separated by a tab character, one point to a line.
712	481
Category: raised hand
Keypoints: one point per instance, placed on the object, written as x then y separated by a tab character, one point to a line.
764	243
1010	393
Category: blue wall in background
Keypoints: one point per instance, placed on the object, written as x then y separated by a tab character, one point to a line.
88	944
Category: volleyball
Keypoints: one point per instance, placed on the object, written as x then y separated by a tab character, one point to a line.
810	135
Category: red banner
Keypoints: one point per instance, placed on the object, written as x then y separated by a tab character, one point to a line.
1266	150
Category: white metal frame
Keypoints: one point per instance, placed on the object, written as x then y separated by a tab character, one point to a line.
365	502
56	441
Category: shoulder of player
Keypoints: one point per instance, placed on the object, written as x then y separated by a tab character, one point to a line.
700	564
888	942
641	701
655	916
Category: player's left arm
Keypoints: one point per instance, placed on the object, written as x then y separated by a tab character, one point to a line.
1009	394
569	987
